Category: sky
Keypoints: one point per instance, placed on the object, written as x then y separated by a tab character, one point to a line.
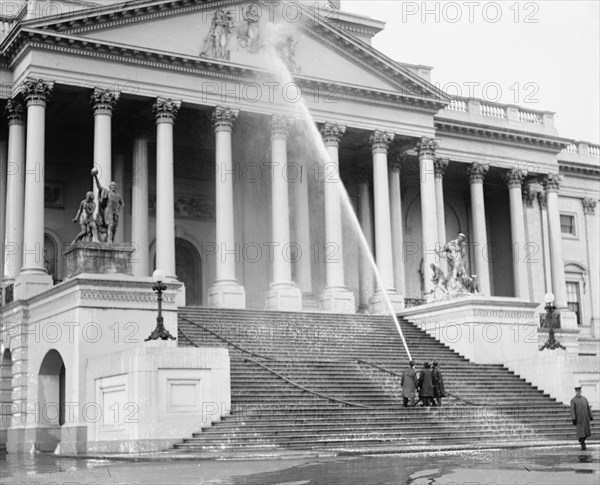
541	55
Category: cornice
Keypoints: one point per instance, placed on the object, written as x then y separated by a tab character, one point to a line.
579	169
500	135
28	38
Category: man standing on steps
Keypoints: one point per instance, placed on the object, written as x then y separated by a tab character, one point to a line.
426	385
438	385
409	384
581	414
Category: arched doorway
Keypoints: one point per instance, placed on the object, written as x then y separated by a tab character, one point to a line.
51	400
188	267
5	394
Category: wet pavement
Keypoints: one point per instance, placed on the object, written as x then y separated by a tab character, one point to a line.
523	466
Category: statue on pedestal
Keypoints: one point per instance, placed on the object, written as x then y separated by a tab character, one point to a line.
85	217
110	204
457	281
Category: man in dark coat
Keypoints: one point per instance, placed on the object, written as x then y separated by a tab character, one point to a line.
581	414
438	384
426	385
409	384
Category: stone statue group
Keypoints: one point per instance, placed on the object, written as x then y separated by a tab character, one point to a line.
100	225
457	281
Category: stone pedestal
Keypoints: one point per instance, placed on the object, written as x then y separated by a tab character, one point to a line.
338	300
378	304
284	297
227	294
98	258
31	284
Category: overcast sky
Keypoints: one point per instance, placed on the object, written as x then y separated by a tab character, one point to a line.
542	55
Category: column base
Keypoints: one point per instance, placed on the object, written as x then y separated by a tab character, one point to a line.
227	294
31	284
378	304
73	440
338	300
284	297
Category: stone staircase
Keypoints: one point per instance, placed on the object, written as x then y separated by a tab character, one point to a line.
331	382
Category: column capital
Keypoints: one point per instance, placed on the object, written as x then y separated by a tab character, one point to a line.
530	194
332	133
551	182
477	172
15	113
514	177
166	110
224	118
104	101
589	205
36	91
440	165
380	141
280	125
426	147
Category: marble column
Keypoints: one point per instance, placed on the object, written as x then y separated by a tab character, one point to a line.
119	178
103	102
226	292
551	184
166	111
139	206
592	230
477	173
335	297
15	192
533	251
385	294
429	220
397	225
283	293
514	179
3	179
440	166
301	222
366	276
547	261
34	278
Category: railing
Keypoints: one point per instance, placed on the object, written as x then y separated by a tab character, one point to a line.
458	105
583	149
530	117
493	110
7	23
413	302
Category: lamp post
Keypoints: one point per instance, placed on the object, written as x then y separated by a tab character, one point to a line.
551	343
160	332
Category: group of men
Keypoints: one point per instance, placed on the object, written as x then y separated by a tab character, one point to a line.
428	382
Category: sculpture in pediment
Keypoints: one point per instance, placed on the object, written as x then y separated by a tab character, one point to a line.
249	38
216	44
286	49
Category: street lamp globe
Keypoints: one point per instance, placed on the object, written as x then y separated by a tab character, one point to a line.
158	275
549	298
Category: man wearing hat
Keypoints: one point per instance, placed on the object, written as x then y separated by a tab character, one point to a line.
581	414
409	384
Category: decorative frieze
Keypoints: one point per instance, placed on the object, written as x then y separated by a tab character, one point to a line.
166	110
551	182
440	165
426	147
200	209
332	133
589	205
36	91
104	101
515	177
380	140
224	118
280	125
477	172
15	113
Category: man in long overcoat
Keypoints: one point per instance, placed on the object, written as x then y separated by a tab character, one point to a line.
439	391
426	385
409	384
581	414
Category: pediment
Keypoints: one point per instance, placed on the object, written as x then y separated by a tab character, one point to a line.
250	35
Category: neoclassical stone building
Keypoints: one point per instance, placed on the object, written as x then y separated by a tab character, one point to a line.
227	126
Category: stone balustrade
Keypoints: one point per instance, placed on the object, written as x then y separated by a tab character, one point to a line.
581	152
517	117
